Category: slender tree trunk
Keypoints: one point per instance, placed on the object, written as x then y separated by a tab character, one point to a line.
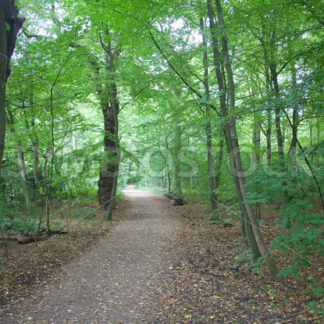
35	143
295	125
21	163
311	132
3	77
177	187
268	137
46	191
308	165
211	171
167	165
280	138
210	157
23	174
256	138
246	227
231	138
36	164
219	164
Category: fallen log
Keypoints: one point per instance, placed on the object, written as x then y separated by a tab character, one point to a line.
35	238
175	200
31	239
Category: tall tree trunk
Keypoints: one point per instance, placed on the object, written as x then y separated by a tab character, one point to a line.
210	157
167	165
108	171
311	132
35	142
115	107
21	163
36	155
177	186
231	136
247	231
23	174
10	25
107	184
268	137
280	137
256	138
294	124
3	77
219	165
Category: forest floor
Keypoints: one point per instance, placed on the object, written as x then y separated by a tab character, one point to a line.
154	263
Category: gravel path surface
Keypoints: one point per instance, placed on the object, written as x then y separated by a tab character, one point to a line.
116	281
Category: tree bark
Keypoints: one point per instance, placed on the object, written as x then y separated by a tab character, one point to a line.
268	137
280	138
35	142
213	182
3	77
36	155
21	163
167	165
8	19
256	139
231	136
108	178
295	121
177	186
245	224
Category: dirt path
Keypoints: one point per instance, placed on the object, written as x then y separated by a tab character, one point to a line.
114	282
161	264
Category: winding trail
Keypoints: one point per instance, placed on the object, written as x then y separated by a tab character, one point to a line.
116	281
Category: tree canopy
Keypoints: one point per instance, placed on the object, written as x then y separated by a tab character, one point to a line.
220	100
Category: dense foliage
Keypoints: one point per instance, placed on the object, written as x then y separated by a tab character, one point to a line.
152	67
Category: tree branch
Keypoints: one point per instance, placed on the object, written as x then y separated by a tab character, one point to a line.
178	74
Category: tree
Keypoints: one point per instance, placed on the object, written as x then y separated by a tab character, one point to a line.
10	25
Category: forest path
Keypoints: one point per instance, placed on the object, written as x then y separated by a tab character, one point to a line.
116	281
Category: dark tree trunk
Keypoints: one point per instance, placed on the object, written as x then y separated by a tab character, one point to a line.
8	19
107	177
107	184
213	186
3	77
177	186
231	137
295	121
